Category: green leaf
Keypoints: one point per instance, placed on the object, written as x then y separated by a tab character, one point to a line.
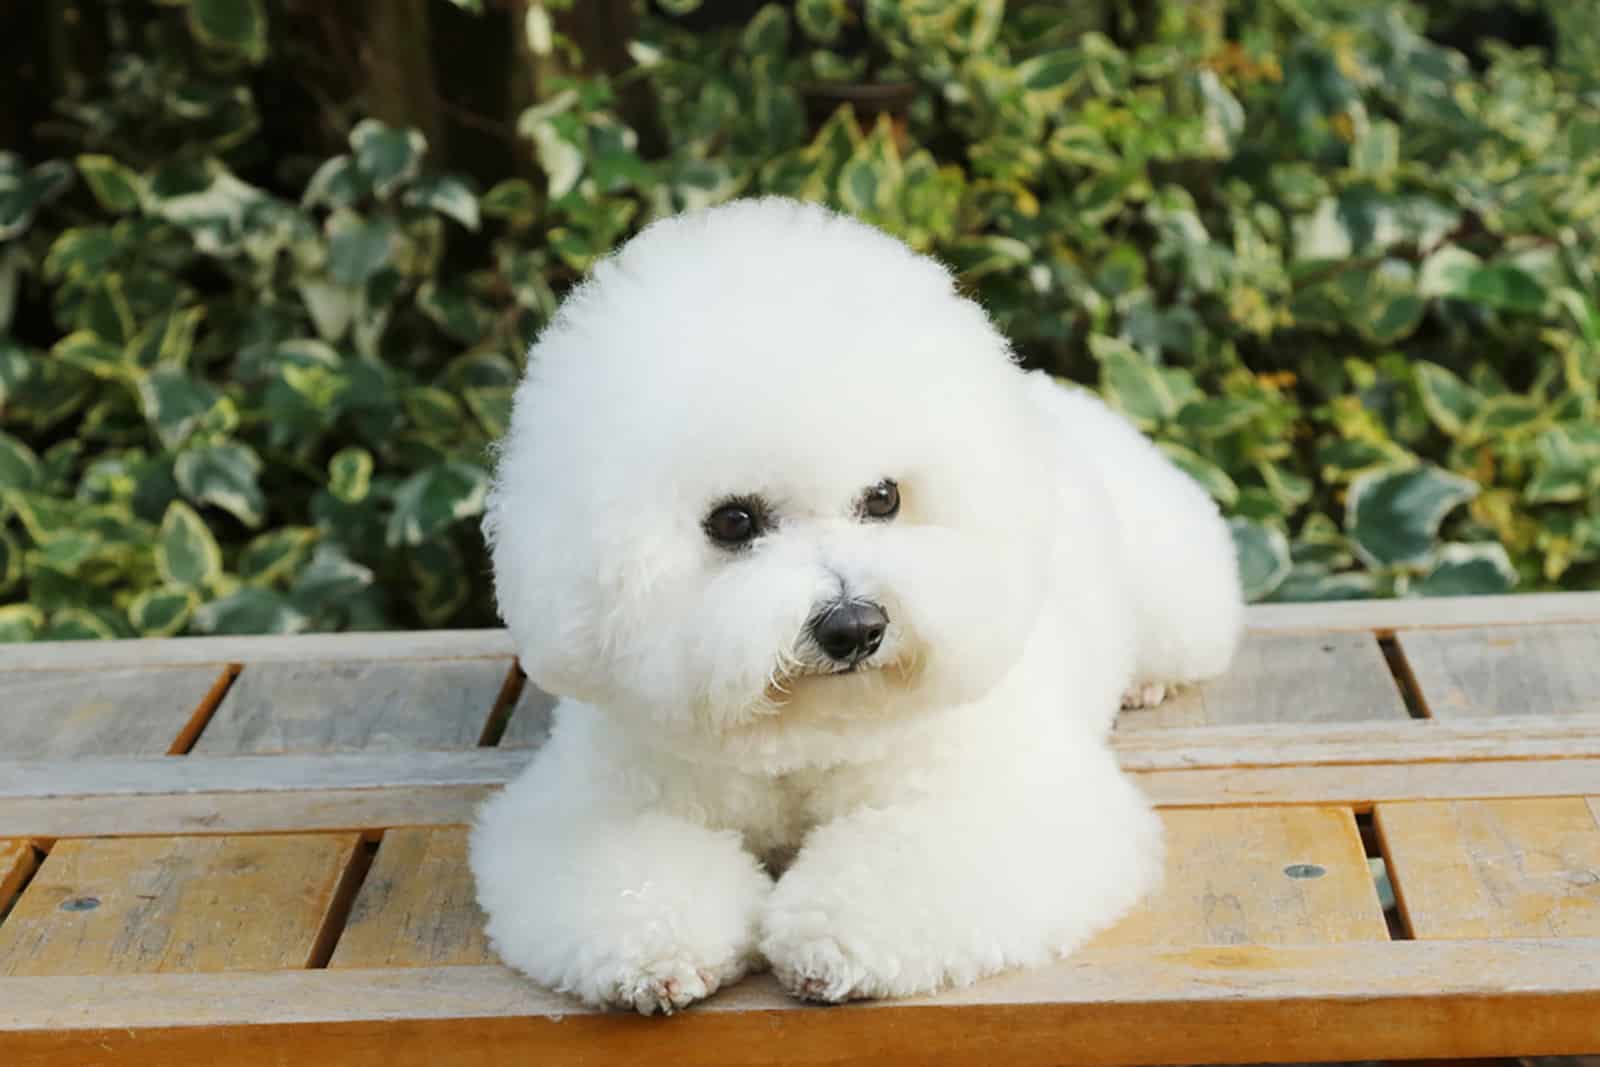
187	554
428	502
77	624
350	474
510	199
162	611
10	562
1448	272
820	19
1263	554
1468	570
1450	402
20	622
1224	117
358	251
1393	515
388	157
329	579
1219	416
1134	384
1565	471
250	611
274	556
1505	287
224	475
1211	477
23	193
118	188
233	25
442	584
19	465
175	404
337	183
1051	72
448	196
1315	584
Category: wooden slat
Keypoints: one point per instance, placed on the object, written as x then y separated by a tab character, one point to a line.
1267	745
530	721
299	648
133	711
446	803
1425	613
175	904
1408	741
1285	679
1232	1004
1501	868
1350	616
355	706
416	907
1532	670
1265	876
16	863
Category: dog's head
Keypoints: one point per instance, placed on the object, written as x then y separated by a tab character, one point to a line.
768	463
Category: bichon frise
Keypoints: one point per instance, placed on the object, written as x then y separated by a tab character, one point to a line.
841	604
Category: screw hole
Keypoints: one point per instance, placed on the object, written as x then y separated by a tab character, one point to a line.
1304	870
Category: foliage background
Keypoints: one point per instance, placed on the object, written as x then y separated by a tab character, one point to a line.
268	267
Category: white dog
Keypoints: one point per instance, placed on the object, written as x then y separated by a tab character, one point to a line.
842	604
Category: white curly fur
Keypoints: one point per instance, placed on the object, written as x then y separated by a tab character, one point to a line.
707	803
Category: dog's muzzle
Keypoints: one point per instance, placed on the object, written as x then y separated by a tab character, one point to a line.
849	631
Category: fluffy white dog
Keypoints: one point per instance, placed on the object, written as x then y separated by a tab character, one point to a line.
842	604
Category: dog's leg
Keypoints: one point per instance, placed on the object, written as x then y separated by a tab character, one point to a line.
902	900
648	913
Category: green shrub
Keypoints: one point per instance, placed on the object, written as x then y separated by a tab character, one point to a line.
1344	275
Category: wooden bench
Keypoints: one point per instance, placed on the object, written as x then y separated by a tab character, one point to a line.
251	851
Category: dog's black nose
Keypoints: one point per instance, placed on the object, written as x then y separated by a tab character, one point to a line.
850	631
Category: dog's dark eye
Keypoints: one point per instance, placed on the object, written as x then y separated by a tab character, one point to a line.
736	523
881	501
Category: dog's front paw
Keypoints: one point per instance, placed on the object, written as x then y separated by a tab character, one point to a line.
820	969
659	987
1147	695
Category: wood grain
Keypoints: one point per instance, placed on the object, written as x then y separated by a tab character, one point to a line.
1239	876
1507	671
1230	1004
1218	747
530	720
311	808
16	863
416	907
355	706
1425	613
1381	616
1285	679
175	904
1503	868
298	648
132	711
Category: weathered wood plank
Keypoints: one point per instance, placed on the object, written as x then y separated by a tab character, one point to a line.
71	713
1500	671
1425	613
416	907
308	810
444	804
1502	868
1232	1004
175	904
1264	876
355	706
1285	679
16	863
530	721
1266	745
1381	616
298	648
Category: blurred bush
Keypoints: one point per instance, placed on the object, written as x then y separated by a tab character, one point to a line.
267	267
